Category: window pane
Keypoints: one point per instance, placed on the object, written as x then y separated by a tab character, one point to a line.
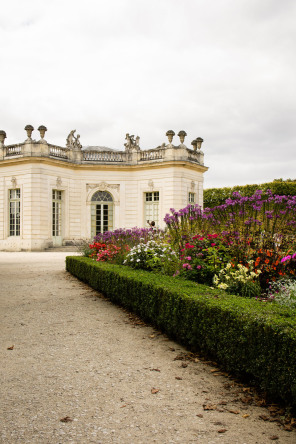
156	195
148	197
152	207
102	196
191	197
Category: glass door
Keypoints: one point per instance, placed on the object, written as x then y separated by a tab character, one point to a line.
57	218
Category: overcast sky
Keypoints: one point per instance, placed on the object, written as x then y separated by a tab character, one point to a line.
223	70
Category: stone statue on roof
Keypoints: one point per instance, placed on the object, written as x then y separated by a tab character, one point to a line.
131	143
72	141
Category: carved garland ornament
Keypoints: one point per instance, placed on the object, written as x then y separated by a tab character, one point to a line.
59	182
103	186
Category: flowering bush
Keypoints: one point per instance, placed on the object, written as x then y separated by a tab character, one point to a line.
152	256
110	253
259	221
289	263
129	236
203	256
107	252
239	279
283	292
95	248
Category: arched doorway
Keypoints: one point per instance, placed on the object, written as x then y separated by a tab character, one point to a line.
102	209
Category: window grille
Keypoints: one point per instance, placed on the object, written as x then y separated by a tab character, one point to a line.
15	212
102	209
56	213
191	198
152	206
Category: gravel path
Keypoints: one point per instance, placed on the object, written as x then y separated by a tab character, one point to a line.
77	369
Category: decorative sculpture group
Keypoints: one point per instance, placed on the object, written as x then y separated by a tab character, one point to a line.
72	141
131	143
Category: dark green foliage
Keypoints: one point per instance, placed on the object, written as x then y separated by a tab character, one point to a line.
217	196
244	335
246	289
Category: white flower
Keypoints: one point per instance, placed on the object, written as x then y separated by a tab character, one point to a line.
215	279
223	286
138	260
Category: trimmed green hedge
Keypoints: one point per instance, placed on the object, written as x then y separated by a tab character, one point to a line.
243	335
217	196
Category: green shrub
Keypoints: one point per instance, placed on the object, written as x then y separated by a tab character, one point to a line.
217	196
245	336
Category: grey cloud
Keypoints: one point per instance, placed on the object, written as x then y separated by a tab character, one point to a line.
223	70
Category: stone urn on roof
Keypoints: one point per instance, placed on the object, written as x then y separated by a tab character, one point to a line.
42	129
2	137
29	129
182	134
170	134
196	143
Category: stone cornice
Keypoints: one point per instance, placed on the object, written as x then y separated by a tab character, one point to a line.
104	166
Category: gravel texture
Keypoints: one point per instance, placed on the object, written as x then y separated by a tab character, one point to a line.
77	369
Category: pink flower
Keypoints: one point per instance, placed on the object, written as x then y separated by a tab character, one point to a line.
188	258
198	267
213	244
185	265
286	258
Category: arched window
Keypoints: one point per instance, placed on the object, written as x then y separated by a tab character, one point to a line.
101	212
102	196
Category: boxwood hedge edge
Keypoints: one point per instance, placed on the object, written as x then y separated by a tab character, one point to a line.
245	336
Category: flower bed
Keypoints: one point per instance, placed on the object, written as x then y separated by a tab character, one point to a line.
243	246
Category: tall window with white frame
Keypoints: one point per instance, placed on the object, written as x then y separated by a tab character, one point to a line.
152	207
102	208
15	212
56	213
191	198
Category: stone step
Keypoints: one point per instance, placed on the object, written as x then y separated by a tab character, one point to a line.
71	248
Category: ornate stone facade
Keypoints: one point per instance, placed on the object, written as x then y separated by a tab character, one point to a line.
53	195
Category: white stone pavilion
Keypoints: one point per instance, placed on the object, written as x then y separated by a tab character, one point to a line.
52	195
